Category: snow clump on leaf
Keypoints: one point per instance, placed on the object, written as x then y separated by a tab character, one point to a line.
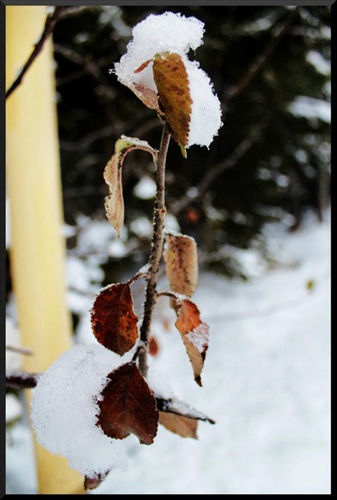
171	33
65	408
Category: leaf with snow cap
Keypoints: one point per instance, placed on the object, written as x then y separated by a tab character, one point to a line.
113	319
175	101
194	334
180	418
127	406
181	261
114	203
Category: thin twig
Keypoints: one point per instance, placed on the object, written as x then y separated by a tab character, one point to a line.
213	173
156	246
262	58
19	350
22	380
51	20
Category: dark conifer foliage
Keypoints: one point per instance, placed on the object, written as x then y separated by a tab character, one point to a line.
270	68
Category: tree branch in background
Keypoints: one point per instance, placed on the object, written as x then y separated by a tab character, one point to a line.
21	380
276	34
213	173
51	20
19	350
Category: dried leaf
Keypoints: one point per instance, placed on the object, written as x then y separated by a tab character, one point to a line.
153	346
114	203
180	418
113	319
92	481
148	96
128	406
185	427
174	405
181	261
194	334
175	101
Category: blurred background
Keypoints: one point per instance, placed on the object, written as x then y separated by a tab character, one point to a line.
270	163
271	160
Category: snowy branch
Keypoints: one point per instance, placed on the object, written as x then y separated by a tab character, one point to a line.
21	380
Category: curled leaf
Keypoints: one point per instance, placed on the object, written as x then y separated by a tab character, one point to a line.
194	334
175	101
113	319
127	406
114	203
181	261
180	418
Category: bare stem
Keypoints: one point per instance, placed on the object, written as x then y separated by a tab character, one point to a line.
156	246
22	380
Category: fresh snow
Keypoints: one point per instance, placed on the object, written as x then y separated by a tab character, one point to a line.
266	383
173	33
64	409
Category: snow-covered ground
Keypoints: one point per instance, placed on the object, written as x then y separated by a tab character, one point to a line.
266	382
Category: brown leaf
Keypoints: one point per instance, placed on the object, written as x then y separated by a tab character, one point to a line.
153	346
114	203
175	101
194	334
179	417
128	406
113	319
92	481
184	426
181	261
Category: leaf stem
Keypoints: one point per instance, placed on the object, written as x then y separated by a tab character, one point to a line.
156	246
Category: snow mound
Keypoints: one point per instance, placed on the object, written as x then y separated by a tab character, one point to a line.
64	408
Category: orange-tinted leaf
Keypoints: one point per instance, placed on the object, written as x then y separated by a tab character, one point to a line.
128	406
185	427
153	346
113	319
194	334
114	203
175	101
181	263
148	96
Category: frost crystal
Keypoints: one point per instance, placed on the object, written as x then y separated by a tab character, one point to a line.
178	34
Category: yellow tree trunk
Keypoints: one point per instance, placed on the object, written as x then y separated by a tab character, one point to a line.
34	191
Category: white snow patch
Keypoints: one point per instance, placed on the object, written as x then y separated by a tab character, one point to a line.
319	62
206	107
64	409
145	189
311	108
142	227
13	408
